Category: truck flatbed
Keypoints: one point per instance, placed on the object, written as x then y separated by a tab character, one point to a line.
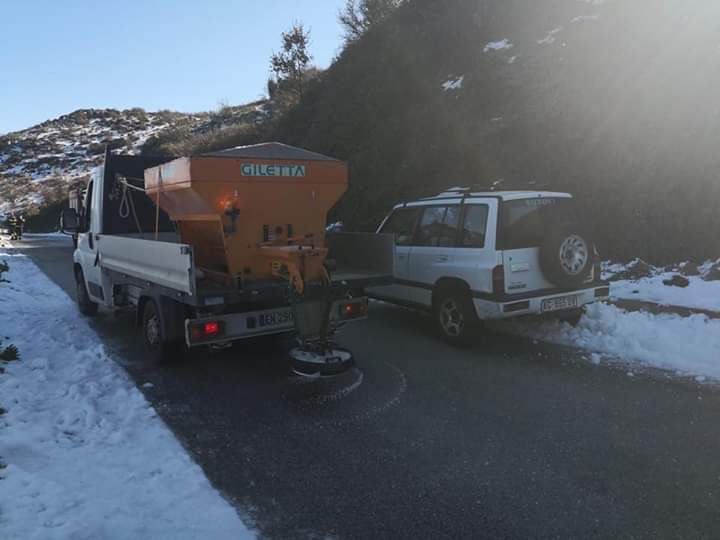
360	260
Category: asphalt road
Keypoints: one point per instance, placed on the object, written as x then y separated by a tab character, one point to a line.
507	440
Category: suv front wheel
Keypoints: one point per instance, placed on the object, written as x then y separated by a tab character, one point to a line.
455	317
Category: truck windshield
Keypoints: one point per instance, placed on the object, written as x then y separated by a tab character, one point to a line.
525	222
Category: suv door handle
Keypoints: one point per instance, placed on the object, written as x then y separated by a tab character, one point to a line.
442	258
402	256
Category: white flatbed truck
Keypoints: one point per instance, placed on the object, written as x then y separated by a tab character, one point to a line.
120	263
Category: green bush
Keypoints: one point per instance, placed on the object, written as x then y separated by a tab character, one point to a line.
9	353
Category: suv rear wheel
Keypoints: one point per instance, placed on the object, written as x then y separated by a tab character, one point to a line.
455	317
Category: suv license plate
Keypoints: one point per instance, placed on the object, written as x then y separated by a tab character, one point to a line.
558	304
279	318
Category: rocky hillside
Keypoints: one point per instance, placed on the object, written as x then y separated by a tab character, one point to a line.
39	163
613	100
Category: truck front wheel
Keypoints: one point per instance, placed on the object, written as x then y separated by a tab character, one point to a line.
158	349
85	305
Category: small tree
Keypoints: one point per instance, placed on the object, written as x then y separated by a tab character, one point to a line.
290	64
359	16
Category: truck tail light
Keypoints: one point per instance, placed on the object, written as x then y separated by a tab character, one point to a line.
206	331
211	328
498	279
352	309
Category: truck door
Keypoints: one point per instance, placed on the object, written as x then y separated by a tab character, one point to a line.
434	247
88	242
401	223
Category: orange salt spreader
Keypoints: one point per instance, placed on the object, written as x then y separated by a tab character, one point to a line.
252	213
255	216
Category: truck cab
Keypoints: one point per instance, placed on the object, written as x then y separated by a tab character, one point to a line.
111	207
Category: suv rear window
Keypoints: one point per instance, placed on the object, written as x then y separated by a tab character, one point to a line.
526	221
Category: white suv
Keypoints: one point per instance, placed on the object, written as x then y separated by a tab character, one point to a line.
470	256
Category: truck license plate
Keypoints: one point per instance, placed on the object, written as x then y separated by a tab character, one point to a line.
275	319
558	304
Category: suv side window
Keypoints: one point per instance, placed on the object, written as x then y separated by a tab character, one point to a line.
438	226
401	223
474	226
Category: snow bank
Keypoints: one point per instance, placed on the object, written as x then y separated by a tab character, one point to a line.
698	294
87	457
686	345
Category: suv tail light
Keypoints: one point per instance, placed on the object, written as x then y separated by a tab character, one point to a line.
498	279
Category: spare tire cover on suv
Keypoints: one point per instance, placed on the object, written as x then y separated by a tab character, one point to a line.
567	255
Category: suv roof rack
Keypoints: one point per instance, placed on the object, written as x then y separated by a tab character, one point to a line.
498	185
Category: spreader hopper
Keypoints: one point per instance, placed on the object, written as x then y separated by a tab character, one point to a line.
247	211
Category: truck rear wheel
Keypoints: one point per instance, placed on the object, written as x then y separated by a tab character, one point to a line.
158	349
455	317
85	305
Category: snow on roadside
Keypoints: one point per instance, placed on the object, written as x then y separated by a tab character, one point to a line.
86	456
685	345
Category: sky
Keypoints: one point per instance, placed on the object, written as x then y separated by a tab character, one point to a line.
185	55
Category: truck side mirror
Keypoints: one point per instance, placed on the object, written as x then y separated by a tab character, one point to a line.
69	221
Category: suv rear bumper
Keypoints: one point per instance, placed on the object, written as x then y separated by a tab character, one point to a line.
490	306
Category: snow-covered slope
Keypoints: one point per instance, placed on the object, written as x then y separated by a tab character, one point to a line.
38	163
